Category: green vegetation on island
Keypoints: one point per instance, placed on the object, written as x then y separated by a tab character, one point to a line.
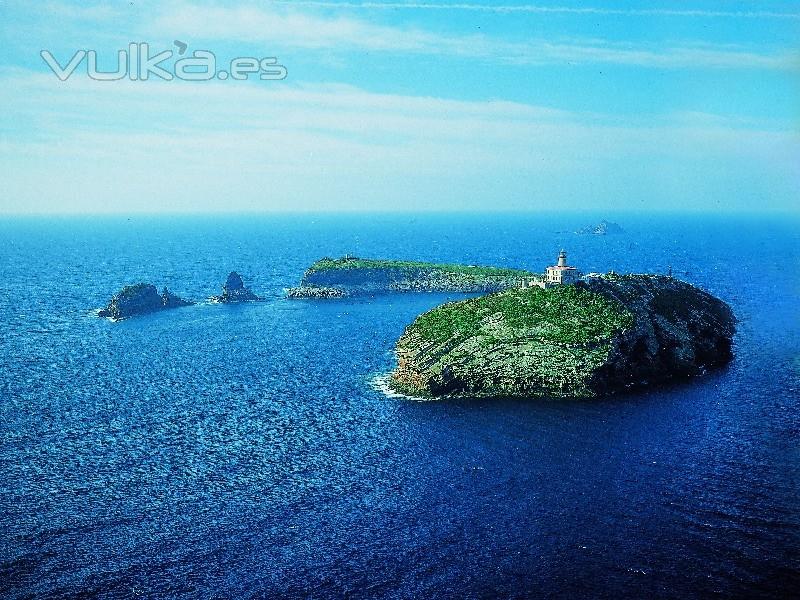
565	315
327	264
351	276
603	335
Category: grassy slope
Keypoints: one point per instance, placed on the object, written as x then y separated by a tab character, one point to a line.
563	314
520	342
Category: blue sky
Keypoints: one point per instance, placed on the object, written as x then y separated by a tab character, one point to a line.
408	106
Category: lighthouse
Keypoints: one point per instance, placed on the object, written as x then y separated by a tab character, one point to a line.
559	274
562	273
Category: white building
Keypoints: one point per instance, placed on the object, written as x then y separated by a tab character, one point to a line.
559	274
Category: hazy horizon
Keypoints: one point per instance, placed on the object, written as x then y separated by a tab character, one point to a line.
586	214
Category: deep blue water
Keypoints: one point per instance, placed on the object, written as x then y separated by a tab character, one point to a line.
241	451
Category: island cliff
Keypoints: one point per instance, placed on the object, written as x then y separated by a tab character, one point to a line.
350	276
599	336
139	299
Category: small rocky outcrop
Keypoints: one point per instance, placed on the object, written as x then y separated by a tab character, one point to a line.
603	335
233	290
314	291
139	299
352	276
602	228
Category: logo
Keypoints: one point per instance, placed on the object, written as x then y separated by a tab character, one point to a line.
138	63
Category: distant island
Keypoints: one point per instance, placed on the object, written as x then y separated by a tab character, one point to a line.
139	299
352	276
600	335
143	298
555	334
602	228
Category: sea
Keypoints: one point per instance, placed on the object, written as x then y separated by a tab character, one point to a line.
249	451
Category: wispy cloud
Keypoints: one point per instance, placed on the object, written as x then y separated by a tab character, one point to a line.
289	28
694	56
128	145
538	9
286	27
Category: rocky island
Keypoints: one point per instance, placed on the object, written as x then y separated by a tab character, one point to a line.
139	299
351	276
601	335
233	290
602	228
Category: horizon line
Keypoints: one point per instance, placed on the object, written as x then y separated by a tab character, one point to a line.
410	213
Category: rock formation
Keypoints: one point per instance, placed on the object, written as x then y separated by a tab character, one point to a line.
233	290
170	300
138	299
606	334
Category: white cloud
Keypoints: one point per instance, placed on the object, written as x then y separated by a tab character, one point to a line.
286	26
133	146
539	9
98	12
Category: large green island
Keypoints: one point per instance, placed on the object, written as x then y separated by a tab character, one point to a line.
604	334
351	276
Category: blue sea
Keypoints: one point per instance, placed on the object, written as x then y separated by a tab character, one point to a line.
221	451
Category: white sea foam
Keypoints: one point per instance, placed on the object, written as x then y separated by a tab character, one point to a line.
381	383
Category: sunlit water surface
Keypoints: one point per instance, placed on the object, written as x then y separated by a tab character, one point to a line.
244	451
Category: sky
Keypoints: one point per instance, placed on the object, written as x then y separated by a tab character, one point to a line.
402	106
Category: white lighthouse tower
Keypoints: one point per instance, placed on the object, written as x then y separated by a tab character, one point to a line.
559	274
562	273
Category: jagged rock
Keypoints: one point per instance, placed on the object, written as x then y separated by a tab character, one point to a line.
602	228
170	300
603	335
139	299
233	290
351	276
